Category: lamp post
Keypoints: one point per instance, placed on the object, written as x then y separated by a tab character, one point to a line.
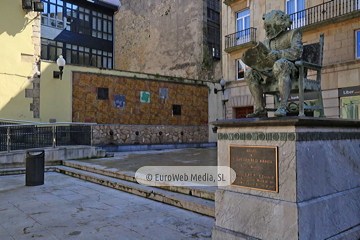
61	63
222	84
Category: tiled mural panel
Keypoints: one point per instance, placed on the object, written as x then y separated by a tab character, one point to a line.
159	111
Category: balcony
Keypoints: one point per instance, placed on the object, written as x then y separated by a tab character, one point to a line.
241	39
325	13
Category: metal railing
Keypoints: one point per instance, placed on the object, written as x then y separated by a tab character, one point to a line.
39	135
240	37
323	12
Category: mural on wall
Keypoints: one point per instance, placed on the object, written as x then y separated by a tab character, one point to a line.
86	107
144	97
164	93
119	101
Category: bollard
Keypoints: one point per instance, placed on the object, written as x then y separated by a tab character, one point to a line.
35	165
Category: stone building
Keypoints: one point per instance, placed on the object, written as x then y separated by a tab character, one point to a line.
339	20
92	88
172	38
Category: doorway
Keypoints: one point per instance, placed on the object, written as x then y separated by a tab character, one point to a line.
241	112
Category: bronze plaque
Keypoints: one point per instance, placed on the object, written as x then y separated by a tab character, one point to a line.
256	167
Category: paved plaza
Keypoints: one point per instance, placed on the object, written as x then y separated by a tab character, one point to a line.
70	208
132	161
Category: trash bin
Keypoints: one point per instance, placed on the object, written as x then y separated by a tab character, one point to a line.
35	165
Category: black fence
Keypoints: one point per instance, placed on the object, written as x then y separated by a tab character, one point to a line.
30	136
73	135
241	37
323	12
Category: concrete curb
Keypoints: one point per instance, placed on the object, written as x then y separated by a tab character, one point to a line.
148	147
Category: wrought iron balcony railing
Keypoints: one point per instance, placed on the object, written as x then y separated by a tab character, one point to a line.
323	12
239	38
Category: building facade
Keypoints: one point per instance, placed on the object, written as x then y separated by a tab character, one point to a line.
91	87
339	20
20	58
172	38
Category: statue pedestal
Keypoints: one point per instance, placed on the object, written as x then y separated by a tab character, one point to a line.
297	178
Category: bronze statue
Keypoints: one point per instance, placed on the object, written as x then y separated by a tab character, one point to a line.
273	60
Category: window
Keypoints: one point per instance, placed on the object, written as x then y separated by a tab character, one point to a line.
357	43
77	19
84	33
53	14
213	28
101	26
214	41
213	4
295	6
243	23
50	49
75	54
213	10
350	107
103	93
176	109
241	68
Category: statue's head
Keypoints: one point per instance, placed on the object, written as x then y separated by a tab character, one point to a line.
276	22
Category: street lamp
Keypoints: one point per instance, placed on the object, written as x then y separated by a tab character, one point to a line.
61	63
222	84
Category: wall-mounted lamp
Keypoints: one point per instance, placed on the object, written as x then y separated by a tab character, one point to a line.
222	84
61	63
32	5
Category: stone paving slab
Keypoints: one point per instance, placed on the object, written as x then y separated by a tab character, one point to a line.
70	208
132	161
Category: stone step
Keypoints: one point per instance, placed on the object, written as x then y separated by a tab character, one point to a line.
200	192
187	202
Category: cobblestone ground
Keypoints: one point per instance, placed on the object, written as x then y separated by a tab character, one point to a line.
70	208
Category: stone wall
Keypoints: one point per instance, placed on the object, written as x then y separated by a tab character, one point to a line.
87	107
34	93
164	37
150	134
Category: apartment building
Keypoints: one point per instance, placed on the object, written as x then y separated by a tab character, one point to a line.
339	20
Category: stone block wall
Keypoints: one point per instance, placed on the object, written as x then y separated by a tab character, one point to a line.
164	37
148	134
34	78
87	107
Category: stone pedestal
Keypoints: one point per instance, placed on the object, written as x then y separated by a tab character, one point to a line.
318	173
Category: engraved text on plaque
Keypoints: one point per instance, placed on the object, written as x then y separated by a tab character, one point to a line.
255	166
